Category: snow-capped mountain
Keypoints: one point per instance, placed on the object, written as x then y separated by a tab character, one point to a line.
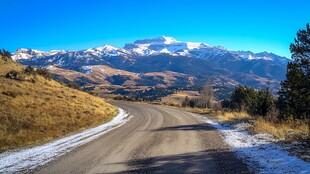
168	54
155	46
24	53
164	45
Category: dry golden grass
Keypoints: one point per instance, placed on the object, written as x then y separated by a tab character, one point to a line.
289	131
33	113
233	116
286	130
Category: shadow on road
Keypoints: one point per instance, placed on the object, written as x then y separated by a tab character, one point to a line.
211	161
192	127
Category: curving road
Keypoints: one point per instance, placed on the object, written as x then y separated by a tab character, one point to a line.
157	139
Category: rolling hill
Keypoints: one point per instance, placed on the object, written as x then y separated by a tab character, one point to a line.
35	109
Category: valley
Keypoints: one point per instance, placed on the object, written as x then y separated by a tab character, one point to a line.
159	63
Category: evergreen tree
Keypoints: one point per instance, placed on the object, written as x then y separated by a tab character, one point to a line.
294	96
243	98
265	102
255	102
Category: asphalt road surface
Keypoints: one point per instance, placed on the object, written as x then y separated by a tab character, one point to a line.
157	139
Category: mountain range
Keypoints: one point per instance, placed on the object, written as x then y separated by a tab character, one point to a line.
161	61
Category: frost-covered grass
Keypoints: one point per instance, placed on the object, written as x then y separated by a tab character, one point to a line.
27	159
258	150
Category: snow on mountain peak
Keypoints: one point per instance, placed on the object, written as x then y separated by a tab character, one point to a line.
196	45
154	46
168	40
25	53
164	45
158	40
106	48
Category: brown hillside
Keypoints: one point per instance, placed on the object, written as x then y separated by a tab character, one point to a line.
105	75
37	110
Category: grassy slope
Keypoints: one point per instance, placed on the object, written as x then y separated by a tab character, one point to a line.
33	113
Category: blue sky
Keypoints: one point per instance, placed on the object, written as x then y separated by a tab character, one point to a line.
256	25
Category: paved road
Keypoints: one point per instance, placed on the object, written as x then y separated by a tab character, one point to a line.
156	140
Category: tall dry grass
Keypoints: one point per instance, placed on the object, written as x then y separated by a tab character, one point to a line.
38	110
289	130
233	116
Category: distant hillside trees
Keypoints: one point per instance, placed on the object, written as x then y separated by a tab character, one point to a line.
255	102
294	96
207	98
189	102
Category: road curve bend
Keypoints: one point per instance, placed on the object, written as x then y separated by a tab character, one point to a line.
157	139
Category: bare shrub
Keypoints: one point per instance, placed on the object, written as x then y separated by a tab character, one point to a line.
15	75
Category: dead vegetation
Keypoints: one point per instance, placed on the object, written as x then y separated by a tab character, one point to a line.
287	131
36	110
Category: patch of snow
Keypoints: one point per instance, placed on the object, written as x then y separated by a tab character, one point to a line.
52	68
87	69
119	72
21	56
196	45
165	51
101	69
28	159
258	150
168	40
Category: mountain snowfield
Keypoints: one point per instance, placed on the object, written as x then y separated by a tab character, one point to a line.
161	54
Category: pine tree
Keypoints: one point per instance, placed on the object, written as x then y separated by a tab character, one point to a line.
294	96
265	102
244	99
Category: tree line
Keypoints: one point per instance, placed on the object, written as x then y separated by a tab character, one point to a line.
294	96
293	100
